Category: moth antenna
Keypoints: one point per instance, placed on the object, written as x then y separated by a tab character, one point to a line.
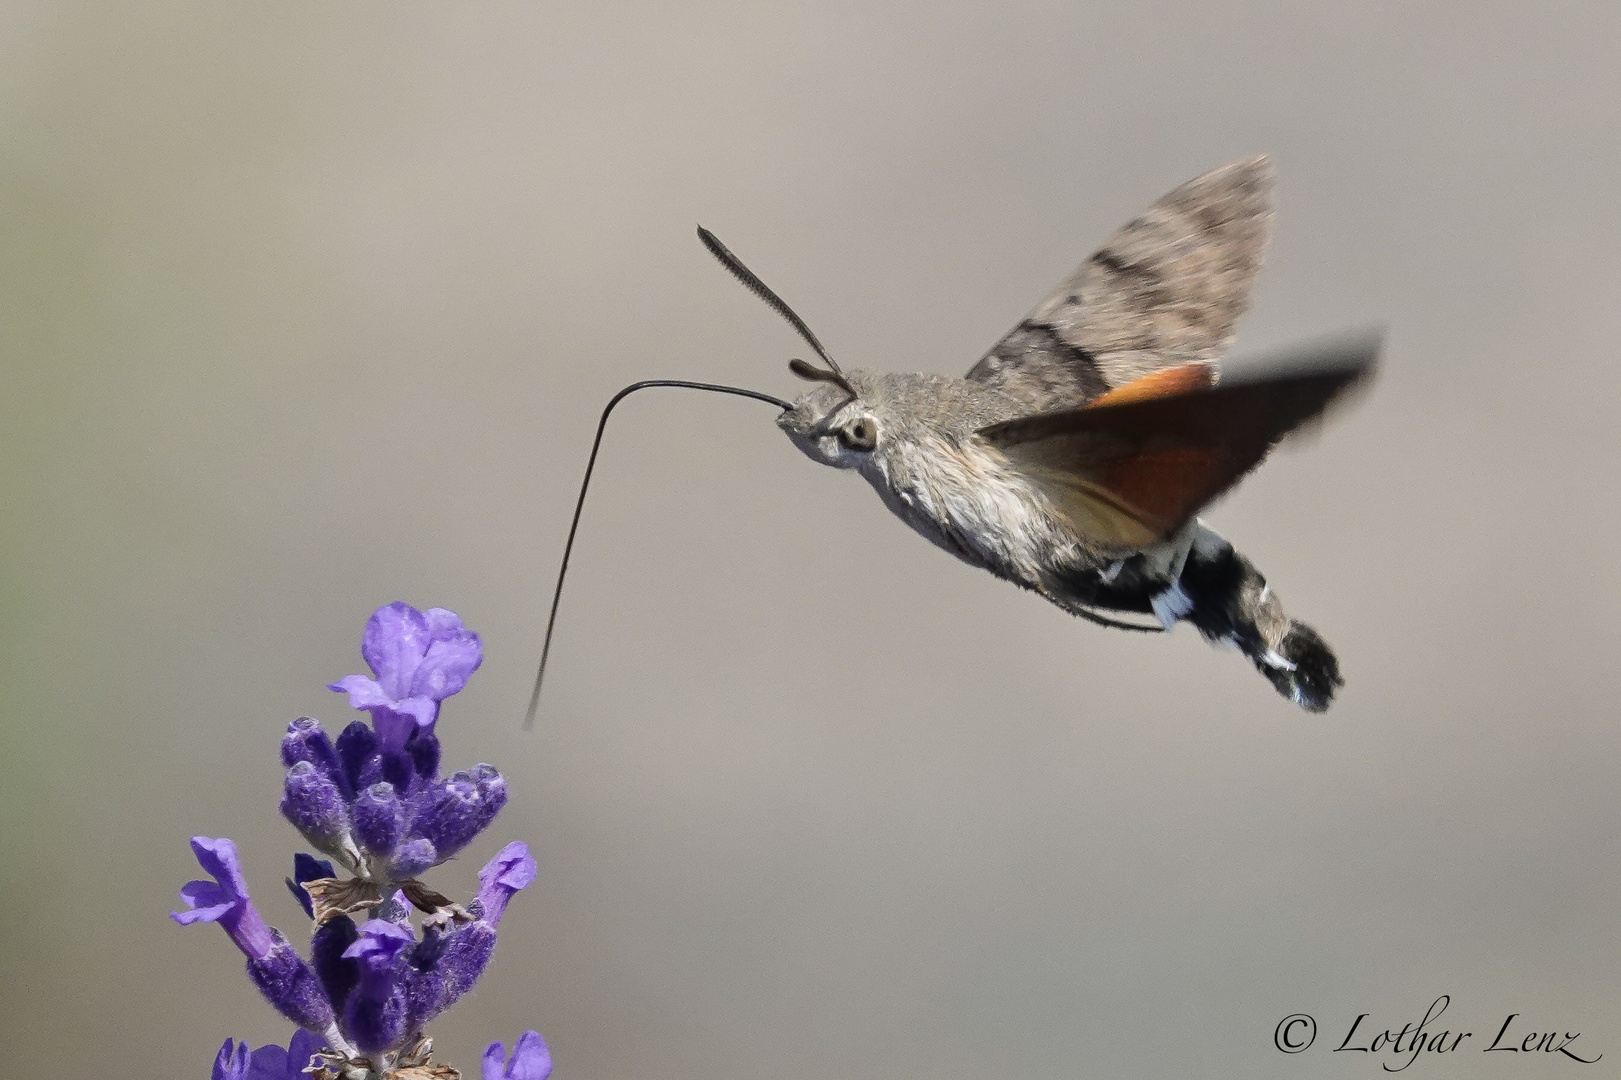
763	291
579	505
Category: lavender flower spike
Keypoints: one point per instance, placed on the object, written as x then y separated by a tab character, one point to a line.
512	869
417	658
284	979
530	1059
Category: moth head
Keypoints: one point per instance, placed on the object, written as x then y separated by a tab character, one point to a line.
832	423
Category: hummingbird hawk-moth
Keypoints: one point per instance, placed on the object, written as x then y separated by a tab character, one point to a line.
1074	457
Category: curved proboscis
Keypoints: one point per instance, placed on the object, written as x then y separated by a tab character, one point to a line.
579	505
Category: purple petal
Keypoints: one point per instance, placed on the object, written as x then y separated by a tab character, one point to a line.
491	1066
270	1062
531	1060
395	640
218	860
206	900
379	941
423	710
443	624
300	1049
512	869
208	914
448	663
363	693
397	721
229	1063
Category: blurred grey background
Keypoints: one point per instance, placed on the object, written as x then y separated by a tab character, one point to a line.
310	307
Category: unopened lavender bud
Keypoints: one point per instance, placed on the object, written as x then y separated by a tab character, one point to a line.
453	816
414	857
306	741
424	750
492	787
312	803
289	985
459	812
389	767
378	818
356	745
306	868
491	784
337	973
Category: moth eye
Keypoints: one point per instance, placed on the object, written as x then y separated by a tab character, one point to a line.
860	435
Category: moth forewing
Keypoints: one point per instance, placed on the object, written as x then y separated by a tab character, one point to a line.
1155	461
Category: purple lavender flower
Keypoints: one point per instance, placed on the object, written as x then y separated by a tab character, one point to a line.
512	869
449	961
530	1059
273	1063
225	899
232	1062
284	979
269	1062
374	1016
417	658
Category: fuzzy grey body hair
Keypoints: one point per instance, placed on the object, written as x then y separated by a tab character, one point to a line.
950	485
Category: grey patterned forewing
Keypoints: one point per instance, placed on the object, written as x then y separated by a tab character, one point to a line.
1167	289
